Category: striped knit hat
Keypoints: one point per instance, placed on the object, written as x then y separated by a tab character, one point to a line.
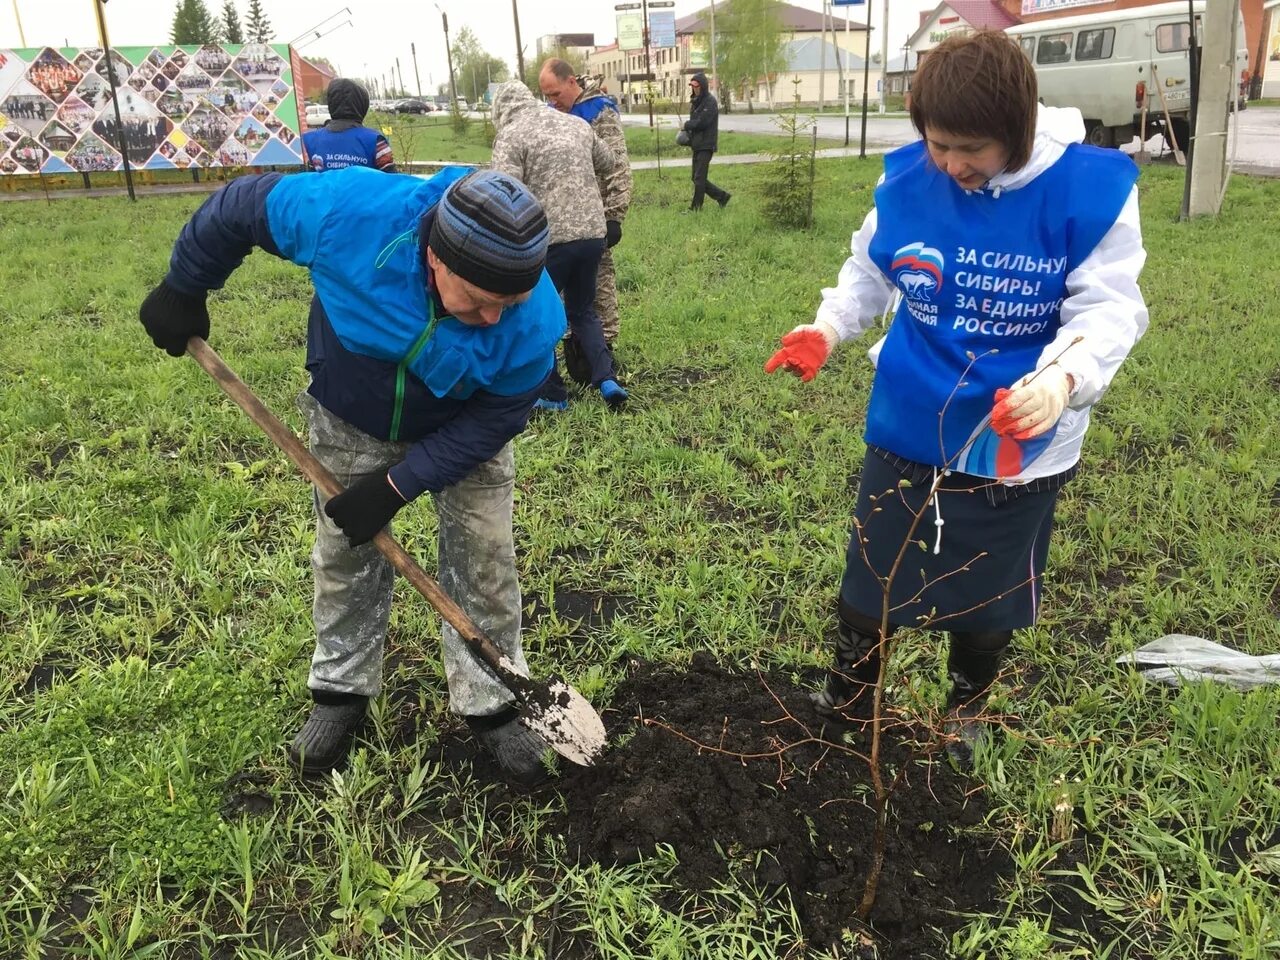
491	231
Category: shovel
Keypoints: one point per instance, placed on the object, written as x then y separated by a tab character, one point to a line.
553	709
1178	156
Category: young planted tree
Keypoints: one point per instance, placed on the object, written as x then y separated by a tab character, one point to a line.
193	24
258	28
232	31
789	178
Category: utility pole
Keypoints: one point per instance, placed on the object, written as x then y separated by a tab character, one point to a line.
648	67
515	15
115	92
845	74
416	79
1193	57
884	58
448	52
400	76
714	84
866	71
822	62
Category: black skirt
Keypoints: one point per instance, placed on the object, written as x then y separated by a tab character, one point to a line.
991	553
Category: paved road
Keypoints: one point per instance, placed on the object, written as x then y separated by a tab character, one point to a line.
885	131
1258	151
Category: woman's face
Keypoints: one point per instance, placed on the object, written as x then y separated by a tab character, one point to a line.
969	161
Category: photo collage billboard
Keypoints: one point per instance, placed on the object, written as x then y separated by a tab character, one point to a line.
230	105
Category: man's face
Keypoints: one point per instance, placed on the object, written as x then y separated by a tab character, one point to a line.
695	88
466	301
969	161
561	94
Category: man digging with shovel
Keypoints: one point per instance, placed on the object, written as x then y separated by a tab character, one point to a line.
431	332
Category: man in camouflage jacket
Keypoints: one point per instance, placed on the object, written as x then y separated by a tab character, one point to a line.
571	94
558	157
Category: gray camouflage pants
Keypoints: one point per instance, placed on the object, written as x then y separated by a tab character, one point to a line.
353	586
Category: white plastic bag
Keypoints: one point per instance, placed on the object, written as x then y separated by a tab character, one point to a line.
1177	657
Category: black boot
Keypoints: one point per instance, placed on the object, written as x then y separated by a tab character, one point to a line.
325	739
849	690
973	663
518	750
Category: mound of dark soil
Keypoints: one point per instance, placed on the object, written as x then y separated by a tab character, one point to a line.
800	819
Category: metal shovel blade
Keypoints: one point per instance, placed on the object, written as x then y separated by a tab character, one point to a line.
553	709
563	717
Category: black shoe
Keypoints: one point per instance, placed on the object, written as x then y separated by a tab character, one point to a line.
325	739
849	691
725	202
516	748
847	695
964	730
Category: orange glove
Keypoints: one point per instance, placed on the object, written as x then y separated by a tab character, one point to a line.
1032	405
804	351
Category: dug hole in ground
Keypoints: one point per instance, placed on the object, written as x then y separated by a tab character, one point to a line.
793	823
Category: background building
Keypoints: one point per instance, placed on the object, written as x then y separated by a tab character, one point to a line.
575	44
624	71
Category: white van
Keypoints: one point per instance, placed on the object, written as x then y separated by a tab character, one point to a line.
1101	63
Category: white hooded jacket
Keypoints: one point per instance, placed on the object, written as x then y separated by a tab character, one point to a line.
1104	306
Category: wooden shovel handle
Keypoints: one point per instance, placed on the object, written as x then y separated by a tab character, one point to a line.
284	438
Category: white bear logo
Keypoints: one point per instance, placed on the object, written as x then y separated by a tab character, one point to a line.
917	284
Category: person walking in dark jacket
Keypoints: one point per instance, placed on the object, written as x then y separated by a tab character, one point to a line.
432	330
343	141
703	128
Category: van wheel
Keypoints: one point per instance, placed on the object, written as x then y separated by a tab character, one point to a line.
1098	134
1182	131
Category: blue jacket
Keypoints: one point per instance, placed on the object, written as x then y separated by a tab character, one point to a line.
330	149
983	276
382	353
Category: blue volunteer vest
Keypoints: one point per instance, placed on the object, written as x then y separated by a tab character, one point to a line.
592	107
983	279
354	147
369	275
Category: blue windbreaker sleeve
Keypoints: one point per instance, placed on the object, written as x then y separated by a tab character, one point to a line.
222	233
477	434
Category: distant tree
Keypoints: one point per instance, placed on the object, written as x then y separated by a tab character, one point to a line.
258	27
532	68
476	67
324	62
193	24
232	31
748	43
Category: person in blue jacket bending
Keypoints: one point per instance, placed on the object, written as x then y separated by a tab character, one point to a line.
432	329
343	141
1012	252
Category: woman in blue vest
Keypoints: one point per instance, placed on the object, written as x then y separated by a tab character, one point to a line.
1013	252
343	141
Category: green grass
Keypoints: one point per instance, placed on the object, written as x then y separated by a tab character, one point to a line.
156	553
433	138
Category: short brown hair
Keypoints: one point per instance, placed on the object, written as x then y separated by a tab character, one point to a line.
560	69
978	85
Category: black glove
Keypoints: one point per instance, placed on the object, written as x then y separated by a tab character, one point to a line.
612	233
364	508
172	317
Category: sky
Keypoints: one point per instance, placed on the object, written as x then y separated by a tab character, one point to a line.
379	30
